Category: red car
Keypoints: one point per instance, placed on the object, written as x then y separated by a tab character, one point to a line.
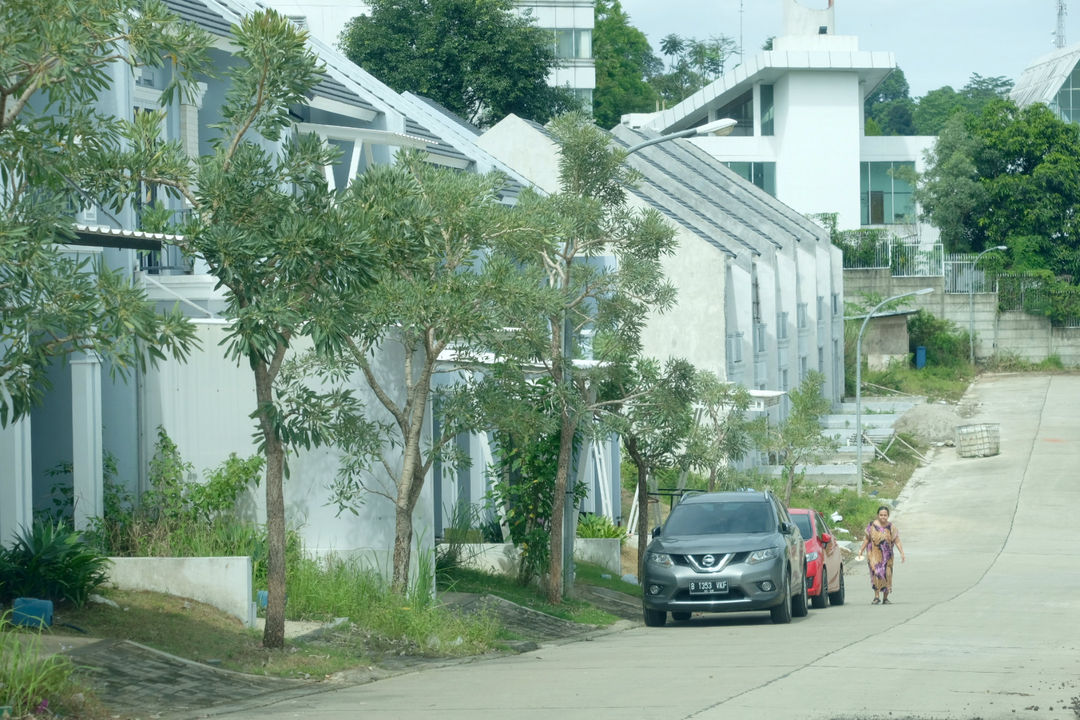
824	562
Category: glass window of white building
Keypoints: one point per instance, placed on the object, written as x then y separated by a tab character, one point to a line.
885	198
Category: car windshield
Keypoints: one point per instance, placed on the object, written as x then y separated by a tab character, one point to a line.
803	523
720	518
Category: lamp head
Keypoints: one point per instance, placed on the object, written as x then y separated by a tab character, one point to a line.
719	128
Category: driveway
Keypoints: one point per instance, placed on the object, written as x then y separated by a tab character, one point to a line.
983	623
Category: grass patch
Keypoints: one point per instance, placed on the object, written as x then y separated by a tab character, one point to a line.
458	579
933	383
32	684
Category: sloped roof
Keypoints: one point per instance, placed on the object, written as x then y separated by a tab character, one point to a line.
701	193
1041	81
345	81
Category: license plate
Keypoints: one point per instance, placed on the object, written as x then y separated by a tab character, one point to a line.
707	587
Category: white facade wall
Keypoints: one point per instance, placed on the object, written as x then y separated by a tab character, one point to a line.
204	405
817	163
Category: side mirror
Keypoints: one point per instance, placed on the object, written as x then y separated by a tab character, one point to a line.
656	531
787	528
826	538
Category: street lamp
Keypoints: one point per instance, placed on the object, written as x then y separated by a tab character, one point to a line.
971	302
719	128
858	382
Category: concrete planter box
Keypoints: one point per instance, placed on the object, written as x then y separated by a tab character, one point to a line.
502	558
223	582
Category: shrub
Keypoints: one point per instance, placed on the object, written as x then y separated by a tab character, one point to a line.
51	561
598	526
32	684
945	344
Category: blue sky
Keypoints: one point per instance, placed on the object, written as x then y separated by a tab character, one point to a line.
936	42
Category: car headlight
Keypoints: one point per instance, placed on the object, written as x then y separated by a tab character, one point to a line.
661	559
813	555
762	555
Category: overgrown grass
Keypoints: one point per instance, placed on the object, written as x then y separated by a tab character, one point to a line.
1011	362
33	683
933	383
341	587
458	579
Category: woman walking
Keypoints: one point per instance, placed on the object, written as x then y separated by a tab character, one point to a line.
880	539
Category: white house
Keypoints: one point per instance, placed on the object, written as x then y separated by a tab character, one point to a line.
759	286
800	133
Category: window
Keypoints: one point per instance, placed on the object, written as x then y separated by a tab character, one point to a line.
821	359
1067	102
801	308
767	110
762	174
585	97
836	303
760	337
802	368
781	326
885	198
572	43
734	347
741	109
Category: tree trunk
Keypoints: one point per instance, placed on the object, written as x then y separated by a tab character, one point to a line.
558	506
411	480
274	631
402	546
643	506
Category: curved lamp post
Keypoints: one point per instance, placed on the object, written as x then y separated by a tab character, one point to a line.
720	127
971	302
858	382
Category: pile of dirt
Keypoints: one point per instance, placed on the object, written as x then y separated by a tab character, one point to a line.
931	423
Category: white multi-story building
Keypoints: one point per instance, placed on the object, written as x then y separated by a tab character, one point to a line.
801	133
570	23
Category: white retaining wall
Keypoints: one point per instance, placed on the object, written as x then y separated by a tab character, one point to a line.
502	558
223	582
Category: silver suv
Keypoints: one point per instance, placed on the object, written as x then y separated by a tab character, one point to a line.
725	552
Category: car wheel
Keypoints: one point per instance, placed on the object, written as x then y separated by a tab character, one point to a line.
781	614
655	618
799	606
837	598
821	600
680	616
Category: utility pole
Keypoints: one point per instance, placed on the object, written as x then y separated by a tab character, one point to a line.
1059	36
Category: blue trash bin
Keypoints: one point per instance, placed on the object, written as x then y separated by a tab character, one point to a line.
32	612
920	357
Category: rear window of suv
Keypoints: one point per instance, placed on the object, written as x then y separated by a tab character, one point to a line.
720	518
803	523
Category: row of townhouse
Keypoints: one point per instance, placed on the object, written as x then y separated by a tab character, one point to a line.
758	305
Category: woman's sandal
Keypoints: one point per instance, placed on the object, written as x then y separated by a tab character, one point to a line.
876	601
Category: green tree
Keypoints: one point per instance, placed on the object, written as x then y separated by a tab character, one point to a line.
584	223
624	62
292	255
934	109
692	64
654	416
56	145
798	439
448	287
890	107
722	432
1008	176
480	59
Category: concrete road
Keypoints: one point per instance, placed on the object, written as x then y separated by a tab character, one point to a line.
983	623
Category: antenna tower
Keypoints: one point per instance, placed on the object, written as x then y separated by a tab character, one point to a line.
1059	36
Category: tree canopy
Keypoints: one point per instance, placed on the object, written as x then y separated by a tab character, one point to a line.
480	59
890	110
57	154
624	63
1008	176
692	64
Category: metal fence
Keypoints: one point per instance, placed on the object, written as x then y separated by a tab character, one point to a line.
962	277
903	257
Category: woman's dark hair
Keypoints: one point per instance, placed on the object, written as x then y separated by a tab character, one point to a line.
885	508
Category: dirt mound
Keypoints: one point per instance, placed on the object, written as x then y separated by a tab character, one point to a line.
932	423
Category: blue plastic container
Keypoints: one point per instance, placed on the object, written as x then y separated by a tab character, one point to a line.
32	612
920	357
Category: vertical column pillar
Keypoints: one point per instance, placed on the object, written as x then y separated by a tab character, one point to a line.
87	454
16	480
